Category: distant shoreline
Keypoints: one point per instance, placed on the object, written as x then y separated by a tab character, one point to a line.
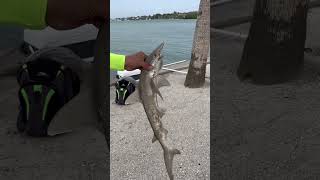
174	15
113	20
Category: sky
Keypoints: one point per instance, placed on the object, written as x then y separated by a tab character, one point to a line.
127	8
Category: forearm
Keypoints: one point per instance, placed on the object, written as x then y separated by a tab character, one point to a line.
27	13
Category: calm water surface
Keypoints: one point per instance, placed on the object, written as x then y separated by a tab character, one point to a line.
132	36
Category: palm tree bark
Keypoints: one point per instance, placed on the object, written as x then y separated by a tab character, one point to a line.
274	50
200	50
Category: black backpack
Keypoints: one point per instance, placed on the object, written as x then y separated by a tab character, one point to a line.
125	86
45	86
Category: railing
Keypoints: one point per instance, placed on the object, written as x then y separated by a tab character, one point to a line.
178	70
220	2
245	19
216	27
178	62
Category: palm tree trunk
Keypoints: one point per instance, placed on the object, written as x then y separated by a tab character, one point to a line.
200	50
274	50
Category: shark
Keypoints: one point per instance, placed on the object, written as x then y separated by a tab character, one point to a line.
148	88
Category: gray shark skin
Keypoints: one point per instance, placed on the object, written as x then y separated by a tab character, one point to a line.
149	85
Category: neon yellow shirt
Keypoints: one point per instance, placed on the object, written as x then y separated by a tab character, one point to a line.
32	14
117	61
28	13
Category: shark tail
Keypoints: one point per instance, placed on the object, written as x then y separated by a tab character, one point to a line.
168	159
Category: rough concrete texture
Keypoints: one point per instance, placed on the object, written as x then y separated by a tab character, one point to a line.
188	121
265	132
81	155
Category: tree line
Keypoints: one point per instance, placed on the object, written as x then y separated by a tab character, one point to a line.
174	15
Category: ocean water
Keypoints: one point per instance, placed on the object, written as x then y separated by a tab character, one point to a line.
128	37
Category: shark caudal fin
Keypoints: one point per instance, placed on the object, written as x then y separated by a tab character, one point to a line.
168	160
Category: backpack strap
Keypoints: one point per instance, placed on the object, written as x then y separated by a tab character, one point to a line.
45	86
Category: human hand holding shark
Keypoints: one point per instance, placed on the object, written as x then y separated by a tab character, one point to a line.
137	61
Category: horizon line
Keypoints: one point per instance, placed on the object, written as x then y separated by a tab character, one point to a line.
156	13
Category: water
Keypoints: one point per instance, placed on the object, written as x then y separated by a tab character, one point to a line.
128	37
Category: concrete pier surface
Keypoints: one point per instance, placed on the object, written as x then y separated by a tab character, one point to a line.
187	119
82	154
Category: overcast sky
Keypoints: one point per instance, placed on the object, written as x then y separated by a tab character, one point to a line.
126	8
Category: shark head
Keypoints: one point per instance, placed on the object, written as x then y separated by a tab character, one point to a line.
155	59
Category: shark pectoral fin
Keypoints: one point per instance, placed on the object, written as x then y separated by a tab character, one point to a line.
161	111
176	151
154	139
162	81
155	89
